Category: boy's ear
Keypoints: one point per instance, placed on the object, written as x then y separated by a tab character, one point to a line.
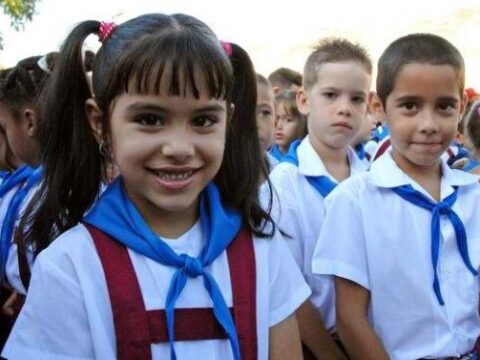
303	103
30	122
95	118
276	90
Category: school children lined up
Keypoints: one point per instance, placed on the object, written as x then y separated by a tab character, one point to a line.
161	200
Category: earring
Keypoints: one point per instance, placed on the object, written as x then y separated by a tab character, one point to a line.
104	151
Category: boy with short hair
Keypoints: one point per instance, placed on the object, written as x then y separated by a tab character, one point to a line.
406	259
334	97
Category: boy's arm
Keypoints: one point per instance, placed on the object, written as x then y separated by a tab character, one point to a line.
314	334
356	333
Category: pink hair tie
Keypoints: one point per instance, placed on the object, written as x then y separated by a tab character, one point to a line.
105	30
227	47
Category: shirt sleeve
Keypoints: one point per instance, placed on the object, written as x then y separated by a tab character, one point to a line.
288	289
286	214
341	247
53	323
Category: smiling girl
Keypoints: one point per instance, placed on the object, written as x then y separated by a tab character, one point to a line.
169	262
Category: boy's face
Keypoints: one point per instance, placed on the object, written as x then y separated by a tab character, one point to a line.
265	115
337	104
422	112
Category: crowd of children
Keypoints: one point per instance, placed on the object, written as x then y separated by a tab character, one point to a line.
161	200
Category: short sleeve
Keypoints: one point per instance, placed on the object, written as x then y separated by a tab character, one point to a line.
341	247
288	289
53	323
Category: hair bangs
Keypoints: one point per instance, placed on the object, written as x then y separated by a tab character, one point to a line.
174	64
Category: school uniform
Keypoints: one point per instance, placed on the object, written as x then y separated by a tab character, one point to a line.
69	278
301	217
376	237
272	162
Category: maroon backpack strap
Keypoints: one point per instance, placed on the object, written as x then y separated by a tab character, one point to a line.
241	260
129	314
383	147
136	333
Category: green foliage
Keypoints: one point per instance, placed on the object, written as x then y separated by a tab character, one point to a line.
19	12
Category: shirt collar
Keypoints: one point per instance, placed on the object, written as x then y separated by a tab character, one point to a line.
384	172
310	163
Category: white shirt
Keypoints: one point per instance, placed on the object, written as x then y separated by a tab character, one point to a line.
67	314
301	216
12	269
374	238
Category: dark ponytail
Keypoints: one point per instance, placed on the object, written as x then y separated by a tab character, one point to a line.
69	152
243	165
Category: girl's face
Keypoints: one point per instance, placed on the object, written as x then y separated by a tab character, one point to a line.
167	148
265	115
20	134
287	128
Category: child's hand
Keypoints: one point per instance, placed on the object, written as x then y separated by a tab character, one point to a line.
460	163
8	308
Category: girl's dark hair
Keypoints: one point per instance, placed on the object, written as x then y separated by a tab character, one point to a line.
21	85
139	55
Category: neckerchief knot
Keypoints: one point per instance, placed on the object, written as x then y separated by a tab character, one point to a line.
193	267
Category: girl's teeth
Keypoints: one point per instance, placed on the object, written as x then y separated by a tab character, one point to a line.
174	176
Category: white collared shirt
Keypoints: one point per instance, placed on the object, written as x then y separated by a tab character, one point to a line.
301	216
374	238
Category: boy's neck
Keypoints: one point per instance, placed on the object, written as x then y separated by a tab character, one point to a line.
335	160
428	177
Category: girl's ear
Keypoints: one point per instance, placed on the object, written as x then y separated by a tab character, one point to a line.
95	118
303	103
30	122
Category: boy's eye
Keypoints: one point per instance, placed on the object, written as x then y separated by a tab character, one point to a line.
409	106
330	95
446	106
203	121
150	120
358	100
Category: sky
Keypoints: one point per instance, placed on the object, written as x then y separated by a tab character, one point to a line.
275	33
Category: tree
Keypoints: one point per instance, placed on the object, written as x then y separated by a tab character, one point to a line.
19	12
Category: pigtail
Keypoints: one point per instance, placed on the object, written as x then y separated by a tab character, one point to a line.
243	166
69	152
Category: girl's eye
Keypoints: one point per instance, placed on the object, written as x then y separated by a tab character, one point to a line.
150	120
204	121
266	113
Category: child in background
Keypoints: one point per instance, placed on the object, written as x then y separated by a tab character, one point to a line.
472	140
362	142
334	98
284	79
266	119
406	260
182	239
290	124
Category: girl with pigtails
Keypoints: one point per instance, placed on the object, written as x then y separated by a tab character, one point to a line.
176	258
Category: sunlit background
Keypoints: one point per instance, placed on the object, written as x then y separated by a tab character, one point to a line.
276	33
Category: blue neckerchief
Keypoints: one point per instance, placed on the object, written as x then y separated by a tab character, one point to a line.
323	184
4	175
380	133
360	150
116	215
18	176
12	215
275	152
408	193
470	165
